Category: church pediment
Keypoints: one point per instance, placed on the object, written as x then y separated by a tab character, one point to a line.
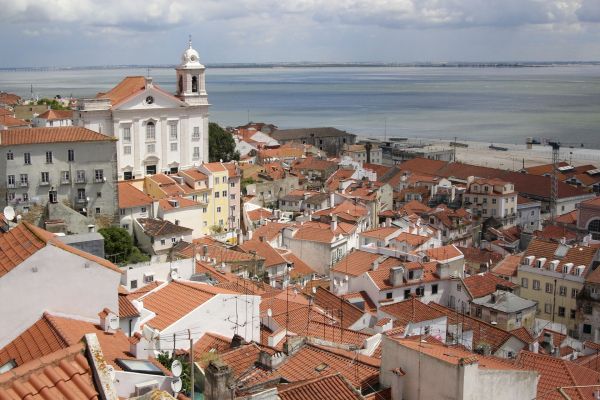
149	98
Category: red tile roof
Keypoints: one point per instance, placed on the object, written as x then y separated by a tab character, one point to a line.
412	239
177	299
444	253
484	284
508	266
10	121
64	374
63	134
24	240
130	196
154	227
182	203
333	387
194	174
343	310
578	255
380	233
556	233
555	373
260	213
264	249
270	231
411	311
215	167
381	276
126	307
356	263
211	342
126	88
54	115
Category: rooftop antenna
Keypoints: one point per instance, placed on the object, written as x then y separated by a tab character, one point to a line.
554	181
190	41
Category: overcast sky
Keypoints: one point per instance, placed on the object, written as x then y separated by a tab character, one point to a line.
87	32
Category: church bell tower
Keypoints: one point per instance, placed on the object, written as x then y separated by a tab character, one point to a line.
191	87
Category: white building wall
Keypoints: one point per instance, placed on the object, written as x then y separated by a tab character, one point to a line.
64	283
220	315
160	270
190	217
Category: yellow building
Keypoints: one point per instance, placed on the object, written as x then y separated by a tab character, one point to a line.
552	274
216	216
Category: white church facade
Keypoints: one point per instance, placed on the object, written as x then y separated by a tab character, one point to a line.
157	132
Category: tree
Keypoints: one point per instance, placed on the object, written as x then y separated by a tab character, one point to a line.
166	360
221	145
53	103
119	248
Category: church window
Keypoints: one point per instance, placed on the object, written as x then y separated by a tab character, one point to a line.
127	134
174	146
180	84
196	154
150	148
173	131
126	149
150	131
196	133
194	84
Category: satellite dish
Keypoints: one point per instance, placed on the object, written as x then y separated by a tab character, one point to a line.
176	369
9	213
269	313
113	322
176	385
111	372
174	275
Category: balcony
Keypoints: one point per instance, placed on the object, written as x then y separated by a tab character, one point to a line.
81	200
65	181
24	184
11	185
80	179
44	183
99	180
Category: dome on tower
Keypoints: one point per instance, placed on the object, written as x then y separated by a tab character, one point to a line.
190	57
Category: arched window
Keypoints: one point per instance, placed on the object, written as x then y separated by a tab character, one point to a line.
594	229
150	131
194	84
180	84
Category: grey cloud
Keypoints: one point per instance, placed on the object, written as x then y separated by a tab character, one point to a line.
589	11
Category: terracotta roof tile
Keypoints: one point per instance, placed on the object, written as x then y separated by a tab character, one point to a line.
64	374
381	276
62	134
523	334
211	342
270	231
264	250
444	253
221	253
194	174
177	299
356	263
165	203
344	311
157	227
215	167
54	115
130	196
10	121
126	308
380	233
333	387
260	213
411	311
126	88
412	239
508	266
481	285
578	255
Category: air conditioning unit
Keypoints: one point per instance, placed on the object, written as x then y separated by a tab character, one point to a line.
145	387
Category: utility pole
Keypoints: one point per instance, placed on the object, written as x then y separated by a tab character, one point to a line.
191	363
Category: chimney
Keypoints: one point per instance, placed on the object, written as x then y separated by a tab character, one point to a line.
218	381
262	239
334	222
332	199
148	82
293	344
493	298
139	346
397	276
109	321
240	237
388	222
270	361
237	341
375	265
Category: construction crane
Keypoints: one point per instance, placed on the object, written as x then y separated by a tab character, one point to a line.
554	181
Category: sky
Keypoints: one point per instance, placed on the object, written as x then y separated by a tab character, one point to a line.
37	33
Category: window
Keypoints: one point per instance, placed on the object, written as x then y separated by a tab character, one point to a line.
45	178
204	209
420	291
163	242
80	178
561	311
224	193
99	175
388	295
549	287
563	291
48	157
217	195
573	314
217	180
494	201
24	180
232	184
133	284
232	196
65	177
127	150
71	155
173	240
97	210
122	211
548	308
150	131
150	148
458	287
218	209
149	278
27	158
536	284
478	312
10	155
434	289
99	195
11	181
574	293
173	131
524	282
196	154
587	309
11	195
127	175
407	293
196	133
587	329
143	209
126	134
174	146
81	194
